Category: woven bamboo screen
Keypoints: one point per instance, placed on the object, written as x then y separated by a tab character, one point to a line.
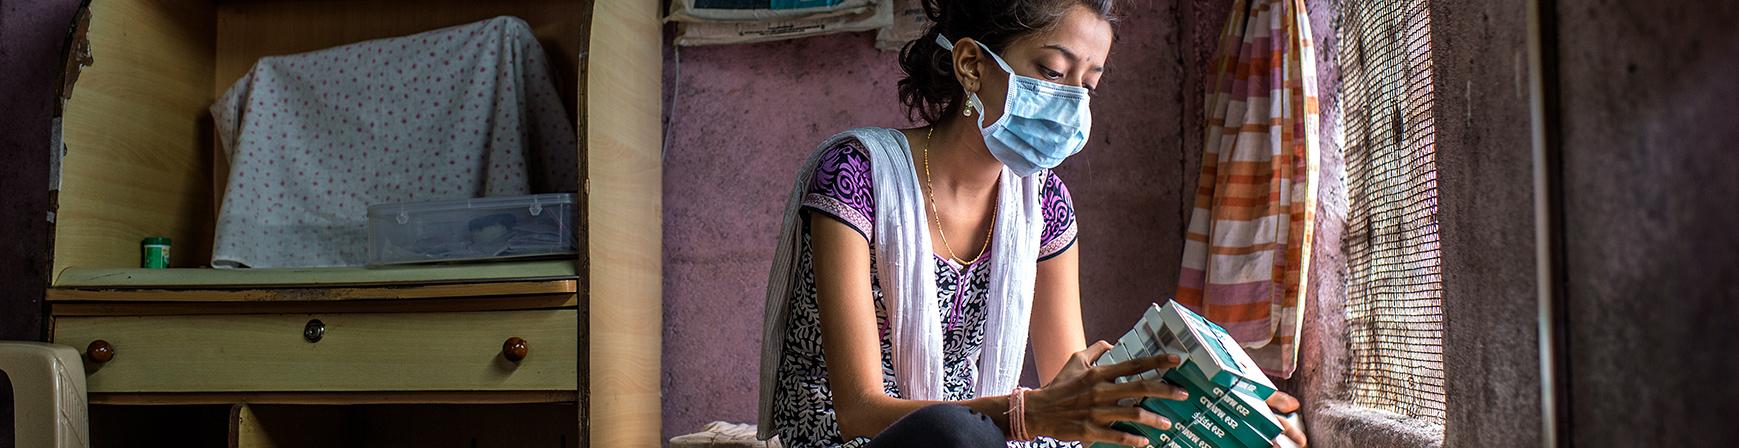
1394	285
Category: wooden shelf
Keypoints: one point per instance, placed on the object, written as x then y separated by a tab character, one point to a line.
505	303
135	278
405	292
143	162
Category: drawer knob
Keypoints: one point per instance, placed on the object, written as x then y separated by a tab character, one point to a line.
314	331
100	351
514	349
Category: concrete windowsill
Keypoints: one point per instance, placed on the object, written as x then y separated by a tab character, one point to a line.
1345	424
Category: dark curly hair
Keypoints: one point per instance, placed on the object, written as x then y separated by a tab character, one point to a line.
929	89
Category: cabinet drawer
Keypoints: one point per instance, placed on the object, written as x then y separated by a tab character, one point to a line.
355	352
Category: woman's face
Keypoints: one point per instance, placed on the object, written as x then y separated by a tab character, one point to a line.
1072	53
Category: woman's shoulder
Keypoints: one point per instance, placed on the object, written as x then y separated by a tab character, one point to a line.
847	157
1059	213
847	147
1054	190
865	140
842	160
841	184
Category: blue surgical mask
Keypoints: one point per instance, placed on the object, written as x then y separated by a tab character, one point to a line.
1042	122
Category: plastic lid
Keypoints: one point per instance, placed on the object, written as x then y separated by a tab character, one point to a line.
534	201
156	241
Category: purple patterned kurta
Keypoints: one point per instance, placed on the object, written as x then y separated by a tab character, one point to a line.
841	189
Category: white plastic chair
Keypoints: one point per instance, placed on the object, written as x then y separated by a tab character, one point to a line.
48	393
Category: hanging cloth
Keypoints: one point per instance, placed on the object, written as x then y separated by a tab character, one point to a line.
315	138
1248	248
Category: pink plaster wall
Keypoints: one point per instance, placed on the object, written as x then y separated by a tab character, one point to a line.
742	118
1322	353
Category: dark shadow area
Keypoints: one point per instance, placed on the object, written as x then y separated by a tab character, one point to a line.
181	426
8	430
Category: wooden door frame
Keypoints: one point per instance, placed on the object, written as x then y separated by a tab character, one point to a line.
624	230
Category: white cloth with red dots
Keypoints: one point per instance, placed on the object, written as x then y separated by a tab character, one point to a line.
313	139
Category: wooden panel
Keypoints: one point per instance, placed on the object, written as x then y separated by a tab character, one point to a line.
624	178
137	136
313	294
250	29
349	276
360	352
509	303
333	398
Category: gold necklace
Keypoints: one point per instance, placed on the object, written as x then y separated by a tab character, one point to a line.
937	216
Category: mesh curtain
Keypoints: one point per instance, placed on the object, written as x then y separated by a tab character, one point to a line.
1394	287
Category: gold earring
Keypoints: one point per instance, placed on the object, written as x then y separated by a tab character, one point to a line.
967	111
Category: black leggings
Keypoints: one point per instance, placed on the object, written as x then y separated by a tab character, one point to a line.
942	426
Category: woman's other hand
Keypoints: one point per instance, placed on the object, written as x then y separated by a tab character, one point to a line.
1081	402
1283	403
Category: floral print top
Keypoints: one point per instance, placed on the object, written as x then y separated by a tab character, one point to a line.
841	189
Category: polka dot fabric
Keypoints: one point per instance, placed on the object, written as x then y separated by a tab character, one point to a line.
313	139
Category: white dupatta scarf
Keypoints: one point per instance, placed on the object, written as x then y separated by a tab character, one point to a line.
906	273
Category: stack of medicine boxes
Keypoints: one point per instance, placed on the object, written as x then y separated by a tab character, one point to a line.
1227	391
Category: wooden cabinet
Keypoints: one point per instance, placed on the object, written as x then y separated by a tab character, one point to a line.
187	347
332	365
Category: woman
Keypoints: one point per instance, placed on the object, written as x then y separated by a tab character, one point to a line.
917	264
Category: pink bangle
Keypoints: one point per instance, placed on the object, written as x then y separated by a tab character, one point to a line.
1017	429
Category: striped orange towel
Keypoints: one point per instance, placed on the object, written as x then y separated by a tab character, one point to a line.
1249	238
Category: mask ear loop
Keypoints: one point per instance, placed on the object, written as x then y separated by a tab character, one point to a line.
949	45
1072	90
972	101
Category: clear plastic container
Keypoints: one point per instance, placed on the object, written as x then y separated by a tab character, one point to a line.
490	228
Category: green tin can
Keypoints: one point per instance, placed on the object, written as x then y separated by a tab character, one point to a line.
154	253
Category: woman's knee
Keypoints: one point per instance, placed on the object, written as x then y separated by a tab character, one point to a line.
942	425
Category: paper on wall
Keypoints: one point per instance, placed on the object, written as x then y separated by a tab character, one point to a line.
721	33
750	11
909	23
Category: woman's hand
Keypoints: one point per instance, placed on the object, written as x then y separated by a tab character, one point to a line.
1283	403
1081	402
